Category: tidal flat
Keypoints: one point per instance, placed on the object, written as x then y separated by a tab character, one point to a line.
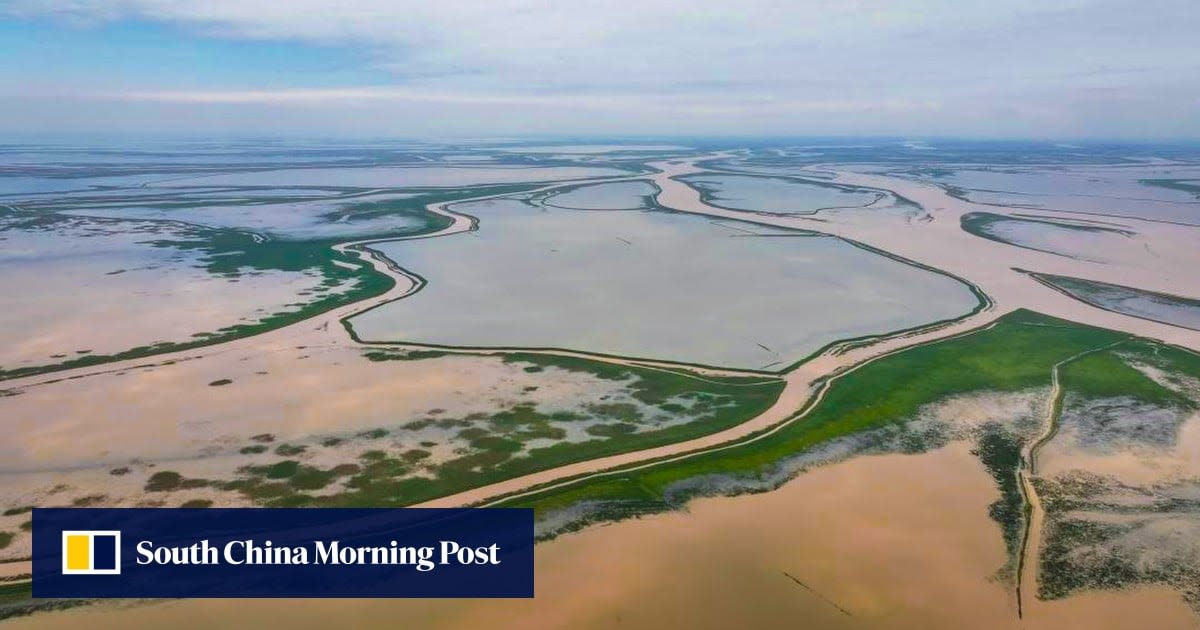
1159	307
1127	190
402	177
927	435
781	195
1091	241
652	284
633	195
81	287
843	559
281	424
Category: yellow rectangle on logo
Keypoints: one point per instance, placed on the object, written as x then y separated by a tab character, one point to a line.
79	553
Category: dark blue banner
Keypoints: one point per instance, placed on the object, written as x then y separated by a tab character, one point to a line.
259	552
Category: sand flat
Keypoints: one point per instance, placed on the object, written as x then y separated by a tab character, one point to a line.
904	542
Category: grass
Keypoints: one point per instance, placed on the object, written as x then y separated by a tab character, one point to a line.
1000	452
497	446
1105	374
164	481
1082	551
231	253
362	283
1190	186
15	592
1016	353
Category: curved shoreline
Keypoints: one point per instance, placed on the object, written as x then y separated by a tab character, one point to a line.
1029	554
836	347
799	385
708	194
822	386
804	380
360	248
1042	279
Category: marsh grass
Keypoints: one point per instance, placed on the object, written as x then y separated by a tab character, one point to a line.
1015	354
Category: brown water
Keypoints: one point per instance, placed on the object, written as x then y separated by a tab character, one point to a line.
893	541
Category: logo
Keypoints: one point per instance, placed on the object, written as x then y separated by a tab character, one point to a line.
91	553
94	553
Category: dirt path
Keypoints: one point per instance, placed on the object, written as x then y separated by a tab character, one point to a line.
942	244
325	327
1031	542
1029	555
938	243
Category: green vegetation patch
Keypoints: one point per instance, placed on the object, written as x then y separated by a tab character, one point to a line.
518	439
1000	452
170	481
1106	374
232	253
1014	354
1190	186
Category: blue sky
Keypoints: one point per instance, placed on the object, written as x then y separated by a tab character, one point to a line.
136	54
1071	68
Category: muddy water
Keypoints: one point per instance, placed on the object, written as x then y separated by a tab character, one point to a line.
394	176
652	284
893	541
744	192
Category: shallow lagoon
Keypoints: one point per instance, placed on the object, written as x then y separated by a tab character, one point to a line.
1081	241
1168	309
83	286
286	220
1116	191
615	196
773	194
651	284
401	177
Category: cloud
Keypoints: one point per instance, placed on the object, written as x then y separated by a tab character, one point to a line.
543	45
630	102
960	59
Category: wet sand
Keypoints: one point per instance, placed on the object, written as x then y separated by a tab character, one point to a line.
939	243
903	542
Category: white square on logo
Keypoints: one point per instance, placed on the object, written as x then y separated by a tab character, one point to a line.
91	535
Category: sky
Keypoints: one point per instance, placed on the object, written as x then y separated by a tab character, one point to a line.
994	68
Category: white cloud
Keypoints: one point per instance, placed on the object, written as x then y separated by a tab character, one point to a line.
960	58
